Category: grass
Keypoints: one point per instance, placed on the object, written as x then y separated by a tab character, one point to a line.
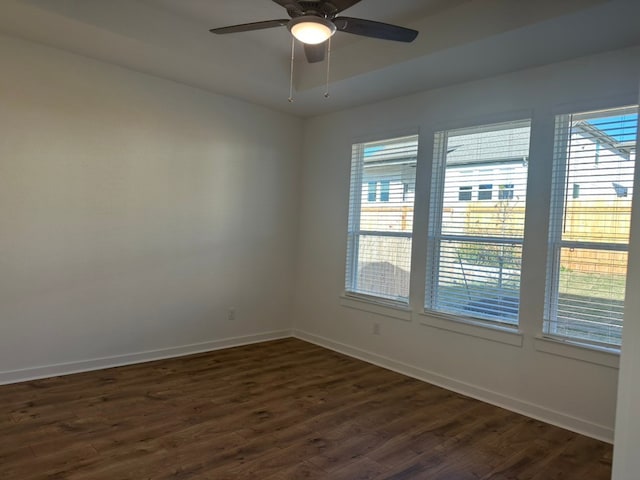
610	287
577	316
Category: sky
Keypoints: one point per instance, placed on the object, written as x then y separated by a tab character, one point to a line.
622	127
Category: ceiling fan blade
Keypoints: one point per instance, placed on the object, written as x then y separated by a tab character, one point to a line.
369	28
315	53
341	5
247	27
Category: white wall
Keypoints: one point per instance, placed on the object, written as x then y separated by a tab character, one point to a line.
626	461
133	212
577	393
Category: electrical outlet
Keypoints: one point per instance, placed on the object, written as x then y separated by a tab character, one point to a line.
376	329
231	314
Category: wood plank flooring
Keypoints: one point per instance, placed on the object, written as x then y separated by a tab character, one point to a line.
281	410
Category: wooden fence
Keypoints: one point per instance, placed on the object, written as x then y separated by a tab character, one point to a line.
590	221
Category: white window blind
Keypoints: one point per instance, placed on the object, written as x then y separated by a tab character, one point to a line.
383	177
476	229
593	174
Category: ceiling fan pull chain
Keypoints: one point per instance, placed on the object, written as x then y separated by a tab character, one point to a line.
293	52
326	93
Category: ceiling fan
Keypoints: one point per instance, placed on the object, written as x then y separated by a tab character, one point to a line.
314	22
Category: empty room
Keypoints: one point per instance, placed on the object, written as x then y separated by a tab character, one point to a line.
330	239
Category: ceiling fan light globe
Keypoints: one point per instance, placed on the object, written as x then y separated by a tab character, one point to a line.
311	30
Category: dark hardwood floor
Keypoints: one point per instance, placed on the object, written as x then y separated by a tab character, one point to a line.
273	411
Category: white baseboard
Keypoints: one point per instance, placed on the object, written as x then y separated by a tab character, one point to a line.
553	417
46	371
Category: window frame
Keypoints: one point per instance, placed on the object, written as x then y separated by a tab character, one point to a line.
355	210
559	192
440	141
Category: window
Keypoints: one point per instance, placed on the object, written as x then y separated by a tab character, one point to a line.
385	190
621	190
408	192
576	191
589	227
475	248
464	194
379	236
505	192
373	192
485	191
385	186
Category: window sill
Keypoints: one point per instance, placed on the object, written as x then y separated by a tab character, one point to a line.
578	351
494	333
372	305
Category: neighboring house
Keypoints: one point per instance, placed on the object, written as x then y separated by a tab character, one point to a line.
389	177
487	175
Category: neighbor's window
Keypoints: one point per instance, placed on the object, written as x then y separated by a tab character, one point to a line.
385	189
576	190
485	191
505	192
465	194
475	248
373	192
383	176
593	174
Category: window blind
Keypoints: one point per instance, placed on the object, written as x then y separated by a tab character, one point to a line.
381	200
593	173
476	226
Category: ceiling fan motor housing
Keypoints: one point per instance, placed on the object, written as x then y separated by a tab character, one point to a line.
318	8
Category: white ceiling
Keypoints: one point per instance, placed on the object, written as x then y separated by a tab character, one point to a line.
460	40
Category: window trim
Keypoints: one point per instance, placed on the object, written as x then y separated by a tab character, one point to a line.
376	305
509	335
607	357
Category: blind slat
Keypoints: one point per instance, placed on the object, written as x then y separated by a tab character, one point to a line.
593	175
381	218
477	221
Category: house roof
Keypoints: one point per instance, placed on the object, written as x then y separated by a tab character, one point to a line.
606	134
